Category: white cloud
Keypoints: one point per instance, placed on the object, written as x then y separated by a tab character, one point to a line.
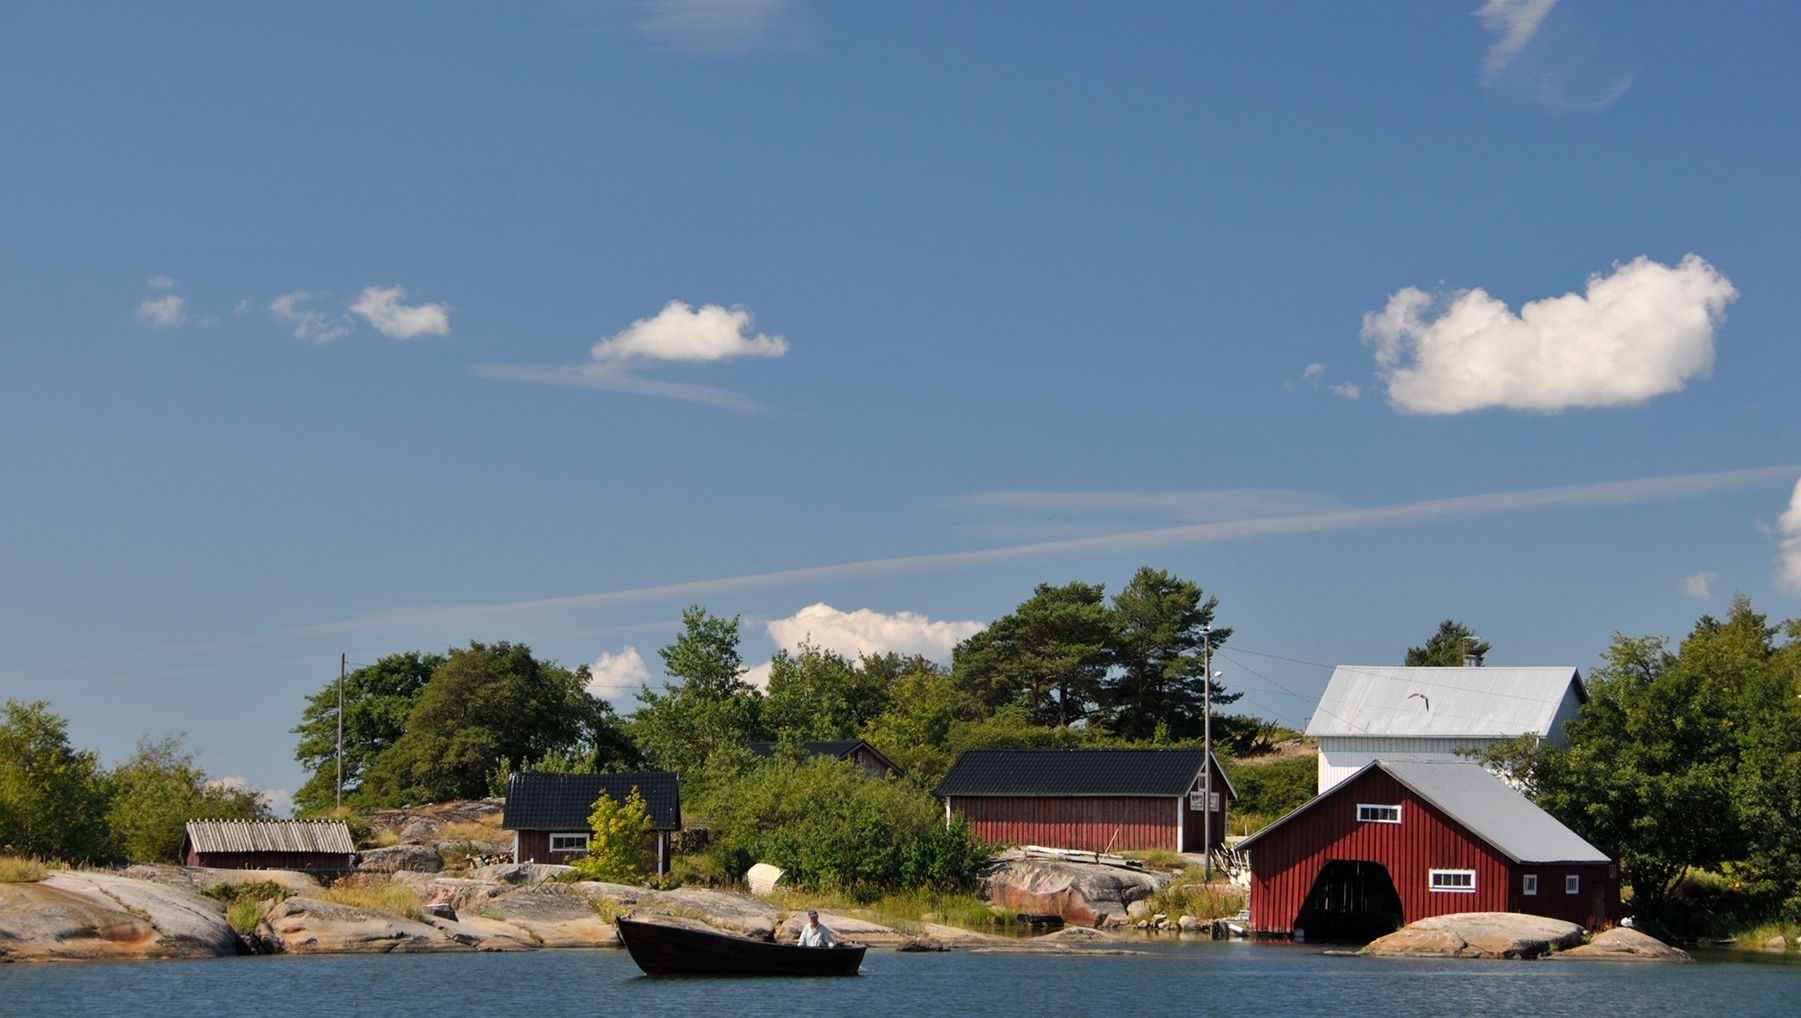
683	333
617	677
1641	332
160	282
1700	585
1348	390
164	312
382	308
1514	23
864	631
1312	373
676	333
318	326
1788	558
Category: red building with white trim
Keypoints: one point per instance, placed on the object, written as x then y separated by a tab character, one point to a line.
1400	841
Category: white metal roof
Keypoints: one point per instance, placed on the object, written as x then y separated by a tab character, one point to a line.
1442	702
1493	811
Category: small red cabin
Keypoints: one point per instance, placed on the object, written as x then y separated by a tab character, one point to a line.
548	813
1094	800
1399	841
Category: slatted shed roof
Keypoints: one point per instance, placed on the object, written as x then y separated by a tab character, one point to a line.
1442	702
562	802
1073	772
1488	807
218	836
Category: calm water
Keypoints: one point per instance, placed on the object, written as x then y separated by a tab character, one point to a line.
1188	979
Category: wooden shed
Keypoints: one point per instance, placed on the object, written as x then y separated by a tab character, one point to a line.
548	813
1402	840
854	750
311	846
1095	800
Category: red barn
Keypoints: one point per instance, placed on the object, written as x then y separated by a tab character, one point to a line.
1400	841
1095	800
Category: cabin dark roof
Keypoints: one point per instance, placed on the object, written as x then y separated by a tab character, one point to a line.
1065	772
839	748
217	836
562	802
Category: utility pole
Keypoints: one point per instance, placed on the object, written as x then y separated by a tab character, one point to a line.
341	663
1207	752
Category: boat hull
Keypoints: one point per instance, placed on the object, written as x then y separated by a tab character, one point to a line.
665	950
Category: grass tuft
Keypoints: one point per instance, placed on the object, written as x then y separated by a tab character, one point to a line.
16	869
382	897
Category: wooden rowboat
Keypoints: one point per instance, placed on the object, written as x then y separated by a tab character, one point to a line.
669	950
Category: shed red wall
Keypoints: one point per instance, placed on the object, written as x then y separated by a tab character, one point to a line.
534	846
1285	863
1088	824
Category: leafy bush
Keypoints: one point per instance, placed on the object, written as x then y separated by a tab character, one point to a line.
1271	790
830	825
619	849
244	902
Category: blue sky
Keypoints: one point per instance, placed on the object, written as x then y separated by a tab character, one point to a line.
342	328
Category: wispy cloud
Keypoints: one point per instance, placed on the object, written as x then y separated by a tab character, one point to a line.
1700	585
163	312
1643	331
462	617
1513	24
1788	555
382	307
310	324
1346	389
1134	541
677	333
160	282
1556	75
866	631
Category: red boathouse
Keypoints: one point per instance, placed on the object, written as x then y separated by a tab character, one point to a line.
1399	841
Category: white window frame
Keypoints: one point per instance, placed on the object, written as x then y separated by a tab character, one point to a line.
1439	881
1194	801
1572	884
1378	812
568	843
1529	884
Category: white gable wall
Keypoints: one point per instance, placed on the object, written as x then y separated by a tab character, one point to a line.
1344	755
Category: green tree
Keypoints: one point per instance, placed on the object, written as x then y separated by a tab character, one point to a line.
1447	648
925	703
158	790
52	797
706	705
819	694
378	699
1049	655
831	826
1160	624
619	850
483	705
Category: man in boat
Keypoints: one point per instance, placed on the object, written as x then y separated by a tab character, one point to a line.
814	934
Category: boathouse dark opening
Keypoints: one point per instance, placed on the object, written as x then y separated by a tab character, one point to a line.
1350	902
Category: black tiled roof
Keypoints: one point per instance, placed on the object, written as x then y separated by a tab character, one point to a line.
839	748
562	802
1043	772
